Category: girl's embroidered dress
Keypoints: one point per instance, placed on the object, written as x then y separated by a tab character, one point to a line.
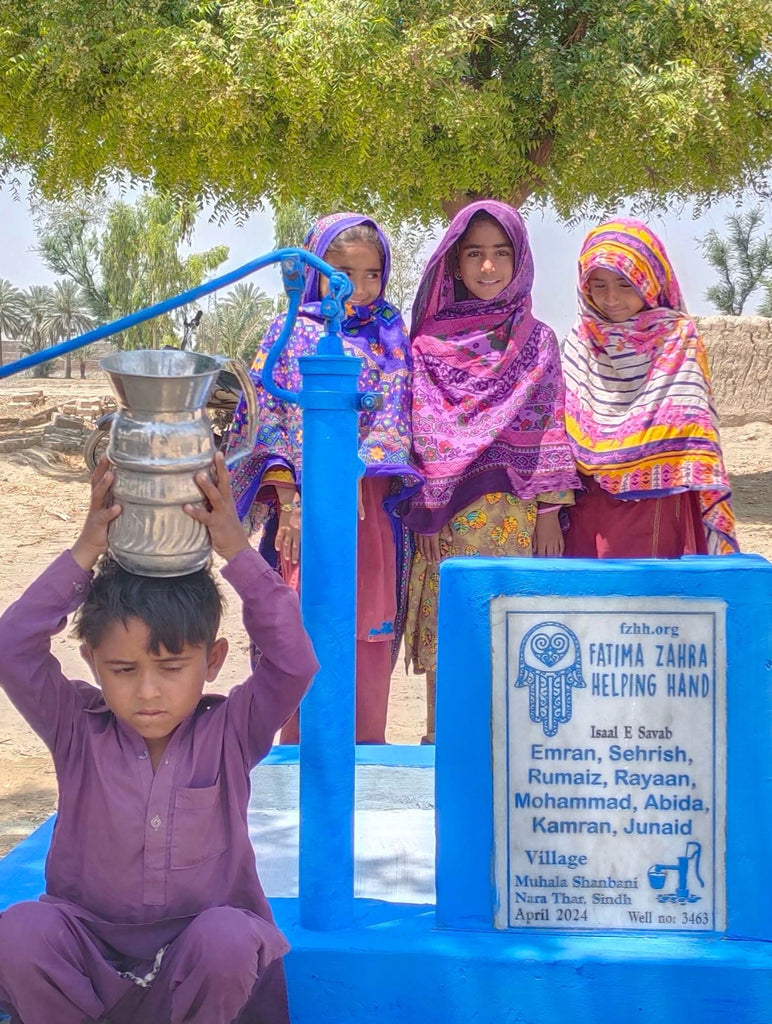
488	432
640	414
376	335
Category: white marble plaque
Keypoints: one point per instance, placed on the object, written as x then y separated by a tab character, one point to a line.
609	763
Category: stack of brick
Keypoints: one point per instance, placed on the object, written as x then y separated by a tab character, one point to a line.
26	398
89	408
15	442
65	434
21	431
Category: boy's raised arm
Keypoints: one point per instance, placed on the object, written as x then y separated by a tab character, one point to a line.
29	673
271	613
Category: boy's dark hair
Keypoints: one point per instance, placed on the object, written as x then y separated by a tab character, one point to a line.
177	610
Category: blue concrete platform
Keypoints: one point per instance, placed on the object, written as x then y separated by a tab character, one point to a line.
393	824
396	965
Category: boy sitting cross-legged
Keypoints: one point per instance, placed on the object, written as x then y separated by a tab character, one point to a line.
153	911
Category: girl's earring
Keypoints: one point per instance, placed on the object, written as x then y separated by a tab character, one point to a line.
457	274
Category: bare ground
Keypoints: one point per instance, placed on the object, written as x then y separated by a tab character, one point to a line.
43	505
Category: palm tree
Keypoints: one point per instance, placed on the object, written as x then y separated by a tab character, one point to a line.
245	296
36	304
10	312
238	322
67	316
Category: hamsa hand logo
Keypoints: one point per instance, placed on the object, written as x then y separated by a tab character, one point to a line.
550	664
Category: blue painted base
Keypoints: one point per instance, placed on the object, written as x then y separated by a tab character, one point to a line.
22	871
394	966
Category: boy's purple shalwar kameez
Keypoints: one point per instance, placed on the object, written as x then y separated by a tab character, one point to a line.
153	910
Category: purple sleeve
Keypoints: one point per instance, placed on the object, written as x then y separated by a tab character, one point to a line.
271	613
29	673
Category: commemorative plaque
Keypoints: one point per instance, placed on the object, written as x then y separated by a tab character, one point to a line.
609	763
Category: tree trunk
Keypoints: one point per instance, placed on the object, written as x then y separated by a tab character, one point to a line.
68	366
538	155
82	368
515	198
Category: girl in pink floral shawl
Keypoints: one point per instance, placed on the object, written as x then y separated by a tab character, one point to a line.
487	415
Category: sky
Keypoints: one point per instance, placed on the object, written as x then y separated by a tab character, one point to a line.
555	248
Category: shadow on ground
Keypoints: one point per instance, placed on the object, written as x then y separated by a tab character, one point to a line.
48	464
26	804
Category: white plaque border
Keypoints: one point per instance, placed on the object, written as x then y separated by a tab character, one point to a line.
500	609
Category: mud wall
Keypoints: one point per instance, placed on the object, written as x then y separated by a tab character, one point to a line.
740	353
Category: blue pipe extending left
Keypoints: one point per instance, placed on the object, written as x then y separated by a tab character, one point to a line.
166	306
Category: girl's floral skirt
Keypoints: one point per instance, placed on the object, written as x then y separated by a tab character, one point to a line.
495	525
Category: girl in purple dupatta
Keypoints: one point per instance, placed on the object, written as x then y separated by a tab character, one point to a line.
487	416
268	484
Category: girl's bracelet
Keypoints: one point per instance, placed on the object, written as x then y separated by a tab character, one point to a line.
290	506
547	508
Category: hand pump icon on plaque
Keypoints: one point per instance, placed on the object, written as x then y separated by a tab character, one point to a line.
658	876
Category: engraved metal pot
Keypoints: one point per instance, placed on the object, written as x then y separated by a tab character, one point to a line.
159	439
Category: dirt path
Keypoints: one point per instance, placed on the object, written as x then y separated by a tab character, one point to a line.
42	509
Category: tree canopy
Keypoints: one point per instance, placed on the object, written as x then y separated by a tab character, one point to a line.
405	104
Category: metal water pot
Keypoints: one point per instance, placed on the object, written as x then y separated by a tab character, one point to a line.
159	439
